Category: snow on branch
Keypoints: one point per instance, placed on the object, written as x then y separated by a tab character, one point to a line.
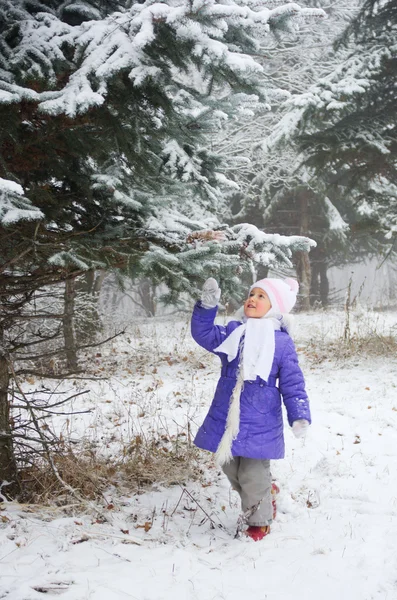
330	96
336	222
14	206
279	247
124	41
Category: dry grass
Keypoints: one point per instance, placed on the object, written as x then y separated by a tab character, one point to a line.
86	474
356	333
160	461
163	461
153	456
357	346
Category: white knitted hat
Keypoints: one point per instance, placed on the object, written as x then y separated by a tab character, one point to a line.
282	293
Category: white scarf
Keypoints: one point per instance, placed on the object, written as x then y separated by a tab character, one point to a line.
259	346
257	359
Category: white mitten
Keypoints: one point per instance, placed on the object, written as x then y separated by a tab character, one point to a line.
210	294
300	427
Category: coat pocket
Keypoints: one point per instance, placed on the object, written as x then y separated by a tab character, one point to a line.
262	399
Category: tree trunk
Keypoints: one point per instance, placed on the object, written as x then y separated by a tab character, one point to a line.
8	467
88	321
99	277
315	282
147	295
303	268
303	271
85	283
319	283
68	329
324	284
91	282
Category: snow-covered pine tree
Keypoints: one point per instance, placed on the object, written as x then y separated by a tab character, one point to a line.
274	194
343	129
106	107
358	140
349	120
104	160
292	63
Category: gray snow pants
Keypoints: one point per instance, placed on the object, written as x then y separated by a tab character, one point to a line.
252	479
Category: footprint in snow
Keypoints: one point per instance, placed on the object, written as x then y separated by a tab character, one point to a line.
55	588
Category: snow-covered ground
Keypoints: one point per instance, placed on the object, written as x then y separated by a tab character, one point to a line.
336	529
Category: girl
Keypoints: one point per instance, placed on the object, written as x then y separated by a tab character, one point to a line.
244	425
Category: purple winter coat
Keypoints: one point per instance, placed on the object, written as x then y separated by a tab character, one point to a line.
261	421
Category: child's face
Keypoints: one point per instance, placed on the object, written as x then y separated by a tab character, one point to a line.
257	304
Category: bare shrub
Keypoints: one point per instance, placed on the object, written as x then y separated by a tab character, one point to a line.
378	345
160	460
61	464
364	334
86	473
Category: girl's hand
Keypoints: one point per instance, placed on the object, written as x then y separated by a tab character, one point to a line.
300	427
210	294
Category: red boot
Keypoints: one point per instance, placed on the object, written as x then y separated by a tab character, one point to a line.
274	491
257	533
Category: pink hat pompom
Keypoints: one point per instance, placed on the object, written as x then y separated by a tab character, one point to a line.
293	284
